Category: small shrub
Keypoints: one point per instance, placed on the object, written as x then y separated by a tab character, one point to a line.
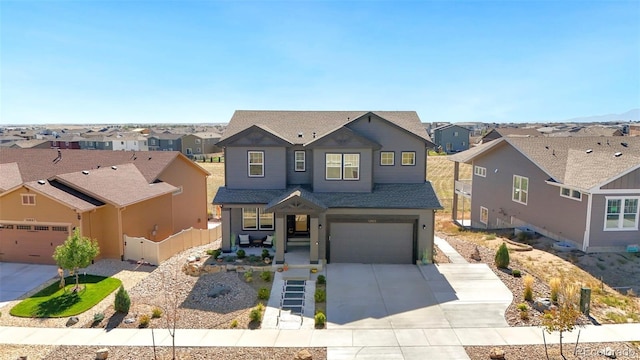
214	253
554	285
263	294
265	254
234	323
516	273
524	315
265	275
502	257
122	302
260	306
320	295
144	321
528	287
248	276
255	315
522	307
229	258
156	313
490	237
321	280
524	236
241	254
254	258
98	317
320	319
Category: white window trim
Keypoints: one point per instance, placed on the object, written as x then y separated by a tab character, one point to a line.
303	161
344	166
28	202
249	163
482	210
393	158
571	193
326	167
408	152
260	226
621	214
513	189
243	218
480	171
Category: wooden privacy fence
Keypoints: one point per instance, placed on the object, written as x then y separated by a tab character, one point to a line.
142	249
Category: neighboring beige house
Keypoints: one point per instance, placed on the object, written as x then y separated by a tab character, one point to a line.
200	143
45	194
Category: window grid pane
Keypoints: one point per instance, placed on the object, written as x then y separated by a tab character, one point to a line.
408	158
351	166
333	166
386	158
266	221
250	218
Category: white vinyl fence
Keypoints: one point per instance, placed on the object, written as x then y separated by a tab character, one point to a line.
142	249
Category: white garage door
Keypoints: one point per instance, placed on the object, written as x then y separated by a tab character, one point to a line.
371	243
30	243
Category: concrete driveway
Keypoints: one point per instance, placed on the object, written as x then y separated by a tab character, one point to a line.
16	279
380	296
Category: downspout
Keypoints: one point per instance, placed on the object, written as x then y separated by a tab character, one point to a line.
121	245
587	231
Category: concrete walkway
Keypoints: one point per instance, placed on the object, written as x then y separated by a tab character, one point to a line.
448	250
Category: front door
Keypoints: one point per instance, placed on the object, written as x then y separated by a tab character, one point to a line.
297	225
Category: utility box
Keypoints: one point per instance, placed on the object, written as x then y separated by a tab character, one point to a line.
585	300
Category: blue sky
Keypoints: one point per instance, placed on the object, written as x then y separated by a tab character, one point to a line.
192	62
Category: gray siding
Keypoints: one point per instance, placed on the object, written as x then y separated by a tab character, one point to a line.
629	181
545	207
275	168
446	136
299	177
236	225
600	238
397	140
320	184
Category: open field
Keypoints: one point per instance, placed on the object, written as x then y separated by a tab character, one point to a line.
440	173
214	181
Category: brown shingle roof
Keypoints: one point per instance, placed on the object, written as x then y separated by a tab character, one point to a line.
288	124
9	176
70	198
37	164
120	185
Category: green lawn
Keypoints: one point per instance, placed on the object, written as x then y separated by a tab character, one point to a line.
55	302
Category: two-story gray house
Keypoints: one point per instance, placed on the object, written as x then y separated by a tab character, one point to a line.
451	138
165	142
581	190
348	185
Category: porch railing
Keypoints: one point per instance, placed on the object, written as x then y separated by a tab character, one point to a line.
463	187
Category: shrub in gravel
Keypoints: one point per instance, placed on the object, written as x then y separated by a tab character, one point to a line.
263	294
502	257
156	313
248	276
265	275
265	254
234	323
241	254
98	317
321	280
144	321
255	315
320	295
528	287
554	285
320	319
122	301
516	273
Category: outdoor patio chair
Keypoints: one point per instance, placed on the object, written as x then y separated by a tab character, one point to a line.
268	242
244	240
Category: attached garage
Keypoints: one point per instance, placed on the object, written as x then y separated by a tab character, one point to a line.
31	243
372	242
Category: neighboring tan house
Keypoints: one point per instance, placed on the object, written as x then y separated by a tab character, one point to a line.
165	142
31	144
346	186
510	132
590	131
451	138
200	143
45	194
584	190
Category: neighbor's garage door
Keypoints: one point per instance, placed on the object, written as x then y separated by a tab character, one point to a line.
30	243
371	243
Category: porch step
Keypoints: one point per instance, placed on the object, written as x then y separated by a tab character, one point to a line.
296	295
292	302
289	289
295	282
298	242
297	310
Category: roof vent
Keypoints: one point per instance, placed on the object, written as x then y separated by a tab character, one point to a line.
314	134
624	144
599	143
589	151
618	154
114	167
299	134
546	147
41	182
85	172
149	158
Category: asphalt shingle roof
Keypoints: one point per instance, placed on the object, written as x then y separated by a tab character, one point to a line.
288	124
385	196
9	176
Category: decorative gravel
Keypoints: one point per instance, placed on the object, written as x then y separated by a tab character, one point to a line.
583	351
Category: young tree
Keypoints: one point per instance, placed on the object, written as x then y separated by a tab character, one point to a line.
565	317
76	252
502	257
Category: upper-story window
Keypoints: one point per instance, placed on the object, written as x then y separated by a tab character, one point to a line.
342	166
152	141
256	163
570	193
520	189
198	141
300	161
622	213
408	158
387	158
480	171
170	142
455	133
28	199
